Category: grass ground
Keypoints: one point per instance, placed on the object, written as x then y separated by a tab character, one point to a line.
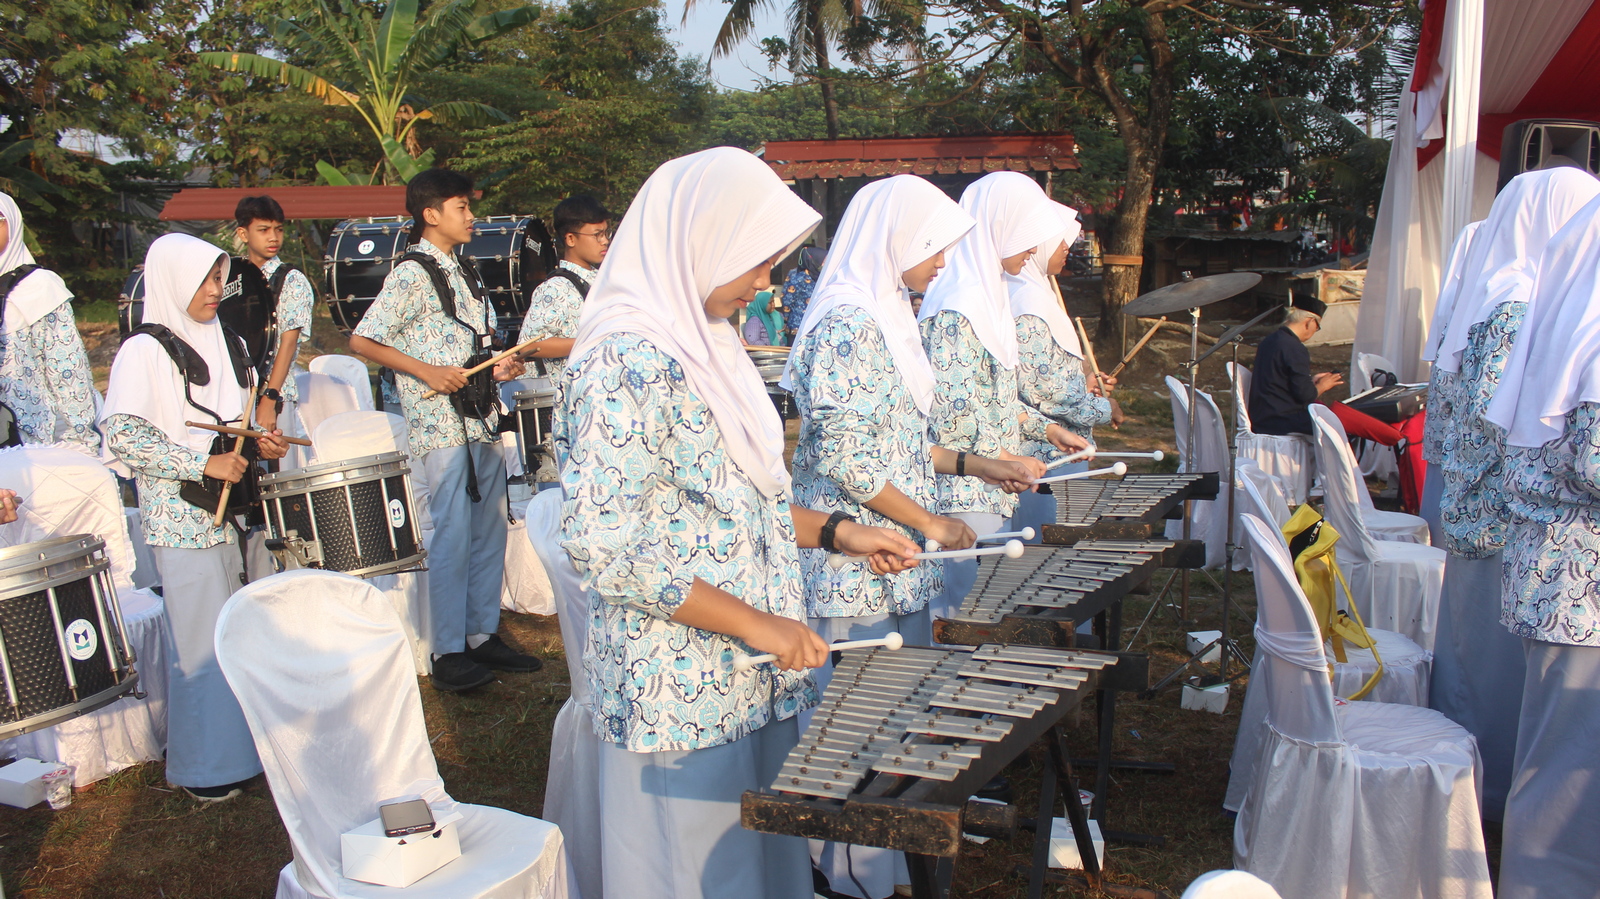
133	836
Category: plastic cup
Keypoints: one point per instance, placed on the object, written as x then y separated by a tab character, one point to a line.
58	786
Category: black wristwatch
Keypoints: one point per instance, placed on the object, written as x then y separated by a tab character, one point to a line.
825	539
961	464
270	393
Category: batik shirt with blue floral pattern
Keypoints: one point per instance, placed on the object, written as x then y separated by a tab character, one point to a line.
553	312
1471	507
408	317
653	501
294	313
160	467
46	381
1054	390
1551	564
1440	421
860	431
975	409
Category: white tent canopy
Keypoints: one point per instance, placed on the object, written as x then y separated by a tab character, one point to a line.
1536	61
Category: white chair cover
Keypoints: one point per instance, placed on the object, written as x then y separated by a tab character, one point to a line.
1384	525
351	371
526	588
353	435
1362	799
321	398
64	492
1288	457
1377	460
1259	496
1230	885
1208	519
1395	585
572	787
320	666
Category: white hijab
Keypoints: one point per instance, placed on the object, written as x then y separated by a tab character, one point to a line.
698	222
36	295
1449	289
1503	259
1030	288
1555	362
890	226
144	381
1013	215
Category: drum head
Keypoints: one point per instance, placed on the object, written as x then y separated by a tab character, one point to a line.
359	257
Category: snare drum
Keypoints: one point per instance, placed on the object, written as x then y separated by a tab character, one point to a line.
771	366
534	410
353	516
63	652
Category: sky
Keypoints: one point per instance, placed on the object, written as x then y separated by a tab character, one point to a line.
745	66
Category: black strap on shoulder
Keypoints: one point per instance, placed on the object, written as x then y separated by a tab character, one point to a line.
573	277
447	293
9	280
192	365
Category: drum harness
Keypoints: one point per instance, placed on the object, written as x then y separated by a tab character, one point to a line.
9	281
479	398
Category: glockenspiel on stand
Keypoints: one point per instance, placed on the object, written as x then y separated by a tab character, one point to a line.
1135	507
903	737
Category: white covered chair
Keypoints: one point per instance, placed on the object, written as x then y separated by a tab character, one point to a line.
320	665
572	787
1287	457
526	588
1208	519
1384	525
351	371
321	398
1230	885
1360	799
352	435
1377	460
65	492
1259	496
1395	585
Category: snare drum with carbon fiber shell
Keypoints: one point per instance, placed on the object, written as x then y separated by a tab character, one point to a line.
353	516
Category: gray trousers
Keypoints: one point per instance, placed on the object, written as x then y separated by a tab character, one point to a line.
467	561
1552	829
208	742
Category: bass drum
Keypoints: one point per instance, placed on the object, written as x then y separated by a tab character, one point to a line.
247	307
512	254
359	257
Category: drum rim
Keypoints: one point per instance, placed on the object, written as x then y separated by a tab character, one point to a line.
82	707
86	544
398	566
282	480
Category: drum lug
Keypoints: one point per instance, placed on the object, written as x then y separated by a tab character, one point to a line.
305	553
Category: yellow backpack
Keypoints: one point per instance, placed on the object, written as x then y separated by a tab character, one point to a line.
1311	539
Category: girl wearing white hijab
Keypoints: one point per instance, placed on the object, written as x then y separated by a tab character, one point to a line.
971	339
678	517
1548	405
45	378
865	387
1441	384
209	749
1479	664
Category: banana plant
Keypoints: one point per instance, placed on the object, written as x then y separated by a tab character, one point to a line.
369	63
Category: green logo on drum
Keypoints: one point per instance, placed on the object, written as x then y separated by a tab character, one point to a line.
397	513
82	640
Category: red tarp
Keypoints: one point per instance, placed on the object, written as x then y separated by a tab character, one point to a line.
217	203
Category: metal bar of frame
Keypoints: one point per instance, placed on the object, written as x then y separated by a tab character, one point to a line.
61	643
383	488
11	680
355	532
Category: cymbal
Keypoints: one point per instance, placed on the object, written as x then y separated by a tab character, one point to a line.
1189	294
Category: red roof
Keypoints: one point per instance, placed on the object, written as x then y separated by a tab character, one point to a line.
801	160
217	203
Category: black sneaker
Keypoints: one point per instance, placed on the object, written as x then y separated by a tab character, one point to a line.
497	654
216	794
454	672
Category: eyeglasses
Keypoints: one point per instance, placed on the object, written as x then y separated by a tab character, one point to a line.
602	236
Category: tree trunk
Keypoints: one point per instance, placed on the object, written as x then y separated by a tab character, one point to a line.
830	110
1120	283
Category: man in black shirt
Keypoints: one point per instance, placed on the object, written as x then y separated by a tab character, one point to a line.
1282	384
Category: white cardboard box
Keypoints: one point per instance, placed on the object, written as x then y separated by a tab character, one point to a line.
1199	639
21	785
1211	699
1064	846
371	857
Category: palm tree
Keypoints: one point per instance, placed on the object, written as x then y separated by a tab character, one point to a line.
369	64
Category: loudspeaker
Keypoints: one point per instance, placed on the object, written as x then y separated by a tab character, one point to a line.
1527	145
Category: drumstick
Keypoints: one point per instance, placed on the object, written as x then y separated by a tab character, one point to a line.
1083	336
1025	533
767	349
1092	453
491	361
743	662
243	432
238	444
1137	347
1119	469
1012	550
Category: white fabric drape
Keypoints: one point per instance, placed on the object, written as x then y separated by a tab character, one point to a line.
1555	363
699	222
1013	216
890	227
144	382
1030	288
36	295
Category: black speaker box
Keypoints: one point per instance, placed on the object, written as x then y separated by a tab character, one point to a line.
1529	144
